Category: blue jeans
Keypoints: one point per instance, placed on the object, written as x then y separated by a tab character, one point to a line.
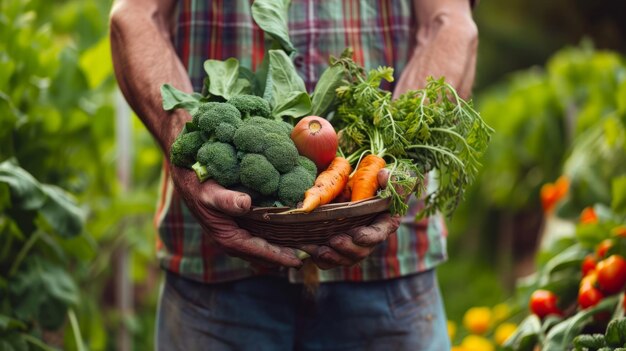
269	313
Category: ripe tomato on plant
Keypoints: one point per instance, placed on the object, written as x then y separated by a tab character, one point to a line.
589	296
603	247
588	265
612	274
543	303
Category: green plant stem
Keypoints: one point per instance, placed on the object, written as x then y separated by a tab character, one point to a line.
445	152
78	339
22	254
40	344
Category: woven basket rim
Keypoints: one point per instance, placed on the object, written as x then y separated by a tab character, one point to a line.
323	213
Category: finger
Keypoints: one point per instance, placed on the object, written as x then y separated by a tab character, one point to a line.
246	246
227	201
309	249
327	258
383	178
344	245
377	232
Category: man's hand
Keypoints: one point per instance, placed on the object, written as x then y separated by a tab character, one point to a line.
214	206
352	247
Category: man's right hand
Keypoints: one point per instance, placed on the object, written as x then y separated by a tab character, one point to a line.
214	206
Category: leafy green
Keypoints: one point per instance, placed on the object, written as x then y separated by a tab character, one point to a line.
288	95
324	96
431	128
174	98
224	78
271	16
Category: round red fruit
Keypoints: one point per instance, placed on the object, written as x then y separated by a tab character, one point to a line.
316	139
589	296
588	265
543	303
611	274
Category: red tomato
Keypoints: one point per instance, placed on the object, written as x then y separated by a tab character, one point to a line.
588	265
543	303
612	274
603	247
589	296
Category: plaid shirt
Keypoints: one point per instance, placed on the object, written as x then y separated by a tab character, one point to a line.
381	32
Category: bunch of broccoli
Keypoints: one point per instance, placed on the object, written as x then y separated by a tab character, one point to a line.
240	146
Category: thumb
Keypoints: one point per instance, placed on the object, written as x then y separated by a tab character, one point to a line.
227	201
383	178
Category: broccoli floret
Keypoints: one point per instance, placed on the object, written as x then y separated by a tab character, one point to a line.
293	185
251	105
271	125
249	138
225	132
185	147
283	156
307	164
220	160
201	110
257	173
213	114
273	139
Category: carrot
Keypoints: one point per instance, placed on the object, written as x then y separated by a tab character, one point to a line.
366	177
346	192
327	186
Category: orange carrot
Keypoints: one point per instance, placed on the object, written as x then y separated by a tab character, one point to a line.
346	193
327	186
366	177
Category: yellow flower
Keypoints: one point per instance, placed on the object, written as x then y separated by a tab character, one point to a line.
477	320
500	312
477	343
458	348
503	331
451	329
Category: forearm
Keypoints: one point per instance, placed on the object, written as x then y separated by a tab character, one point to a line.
144	59
446	45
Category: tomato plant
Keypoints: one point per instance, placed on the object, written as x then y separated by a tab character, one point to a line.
612	274
543	303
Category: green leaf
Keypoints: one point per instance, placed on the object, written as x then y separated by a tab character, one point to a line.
288	95
61	212
250	77
295	104
525	336
26	192
561	335
618	189
325	95
96	62
223	78
174	98
9	323
271	16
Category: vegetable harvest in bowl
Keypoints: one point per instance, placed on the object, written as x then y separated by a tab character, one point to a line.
263	134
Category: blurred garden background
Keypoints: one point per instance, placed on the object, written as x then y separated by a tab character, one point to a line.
79	176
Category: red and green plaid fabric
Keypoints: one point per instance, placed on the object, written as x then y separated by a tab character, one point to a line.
381	32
